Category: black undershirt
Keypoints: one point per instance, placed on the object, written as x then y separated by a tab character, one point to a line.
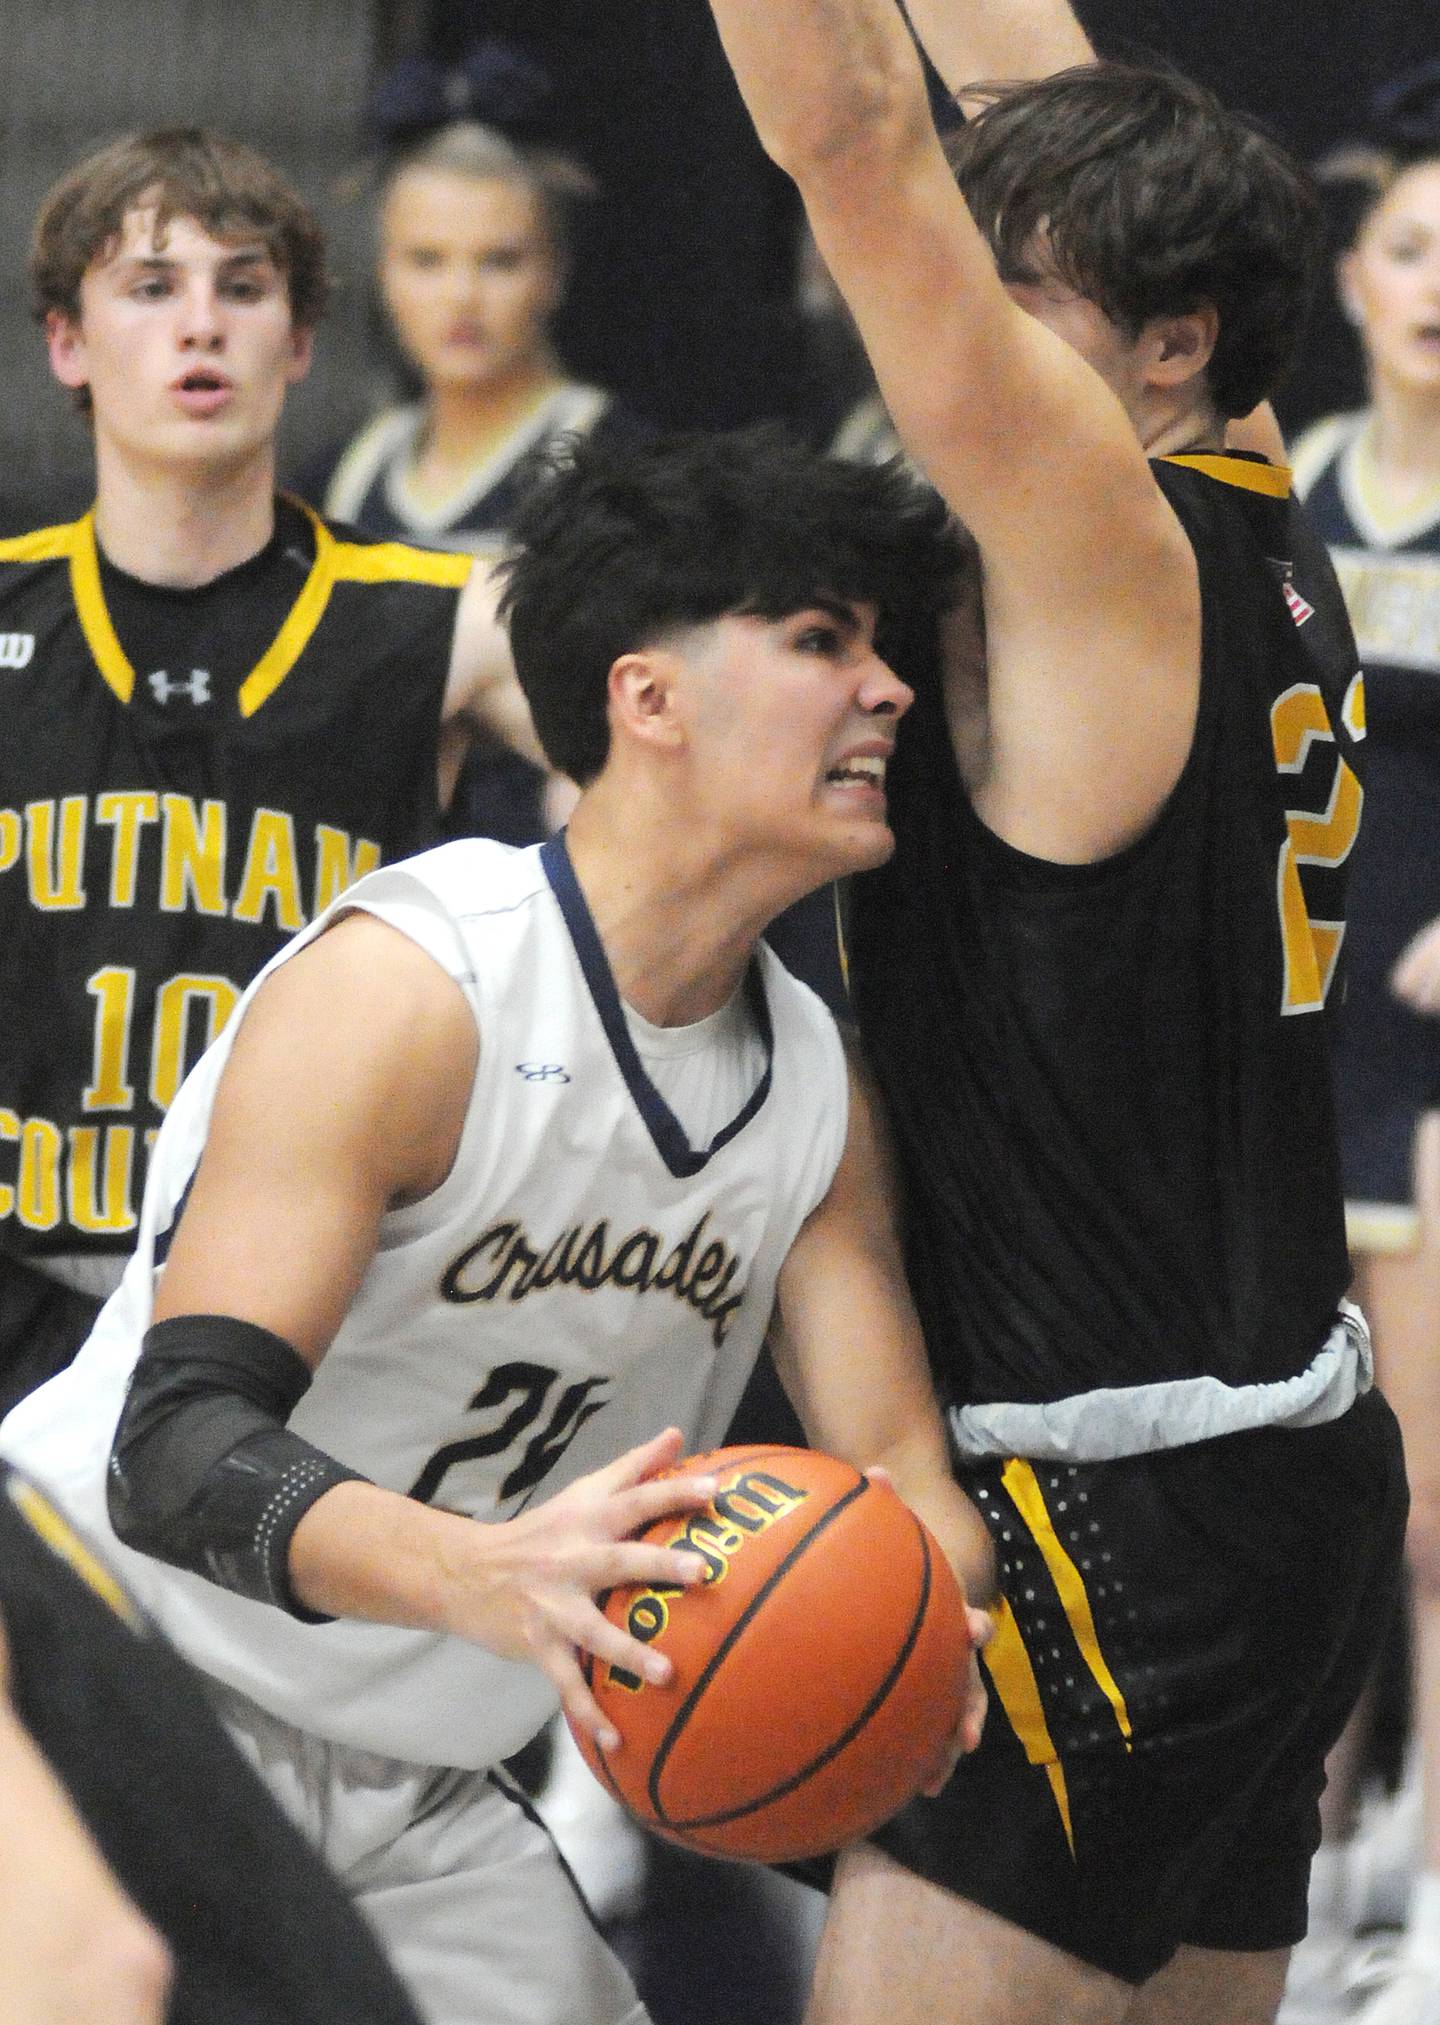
191	648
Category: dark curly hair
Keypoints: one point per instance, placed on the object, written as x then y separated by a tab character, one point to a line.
621	542
1139	190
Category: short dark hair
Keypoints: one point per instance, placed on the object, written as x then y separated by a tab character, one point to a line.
185	172
622	542
1147	196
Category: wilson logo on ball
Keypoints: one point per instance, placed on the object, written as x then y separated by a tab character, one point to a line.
818	1673
750	1505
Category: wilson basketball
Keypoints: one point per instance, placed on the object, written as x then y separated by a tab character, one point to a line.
819	1667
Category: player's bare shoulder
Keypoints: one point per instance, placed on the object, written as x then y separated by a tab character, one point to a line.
1091	686
367	1023
393	975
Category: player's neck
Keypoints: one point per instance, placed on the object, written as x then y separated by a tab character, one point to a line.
185	528
1181	428
677	931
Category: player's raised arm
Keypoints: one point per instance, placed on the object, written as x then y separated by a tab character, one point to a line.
837	95
1025	38
1091	599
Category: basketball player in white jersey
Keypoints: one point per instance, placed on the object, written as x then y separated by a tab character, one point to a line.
482	1204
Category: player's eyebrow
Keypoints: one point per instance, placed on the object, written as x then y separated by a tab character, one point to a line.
248	256
167	263
844	615
143	263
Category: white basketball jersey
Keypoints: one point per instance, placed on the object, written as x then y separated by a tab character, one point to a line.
583	1278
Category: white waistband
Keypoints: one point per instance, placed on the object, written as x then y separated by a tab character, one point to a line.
1123	1420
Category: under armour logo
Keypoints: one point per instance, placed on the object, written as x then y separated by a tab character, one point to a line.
542	1072
16	649
196	686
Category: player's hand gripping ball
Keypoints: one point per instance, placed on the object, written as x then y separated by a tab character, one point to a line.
819	1668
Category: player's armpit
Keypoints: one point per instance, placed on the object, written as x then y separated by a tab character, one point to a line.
1091	697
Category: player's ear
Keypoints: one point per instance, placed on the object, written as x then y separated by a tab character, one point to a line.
643	698
65	342
1181	347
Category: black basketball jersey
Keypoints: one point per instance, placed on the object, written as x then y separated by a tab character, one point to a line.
185	780
1110	1082
259	1931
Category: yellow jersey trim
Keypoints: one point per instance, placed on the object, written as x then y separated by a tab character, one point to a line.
100	635
335	562
44	544
61	1538
1013	1678
75	543
385	562
1021	1482
1272	479
299	625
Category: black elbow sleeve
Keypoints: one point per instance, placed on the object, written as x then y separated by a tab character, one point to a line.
204	1473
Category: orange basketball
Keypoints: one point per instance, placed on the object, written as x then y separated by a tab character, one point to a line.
819	1668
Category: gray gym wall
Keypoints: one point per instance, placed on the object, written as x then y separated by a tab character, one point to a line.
288	76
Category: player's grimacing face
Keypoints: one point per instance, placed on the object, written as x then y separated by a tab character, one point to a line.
469	275
794	725
1391	282
185	342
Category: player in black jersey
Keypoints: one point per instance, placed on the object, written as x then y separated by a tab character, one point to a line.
1093	981
219	709
146	1872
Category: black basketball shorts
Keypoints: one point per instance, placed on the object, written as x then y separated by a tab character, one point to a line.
1182	1638
42	1326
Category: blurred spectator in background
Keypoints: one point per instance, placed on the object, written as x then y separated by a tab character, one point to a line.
219	711
473	223
1372	483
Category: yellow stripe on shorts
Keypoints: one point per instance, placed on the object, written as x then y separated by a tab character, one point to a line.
1021	1482
62	1539
1013	1679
